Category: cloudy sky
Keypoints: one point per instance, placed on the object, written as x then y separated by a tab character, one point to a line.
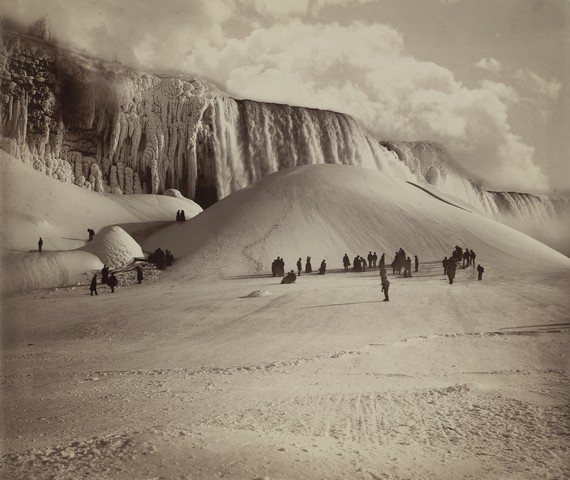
487	78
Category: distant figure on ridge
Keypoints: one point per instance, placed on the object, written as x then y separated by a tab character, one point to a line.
113	282
385	288
299	267
105	274
408	267
370	258
346	262
416	262
445	263
374	259
289	278
451	266
91	233
323	268
472	257
480	271
40	244
139	274
308	266
93	286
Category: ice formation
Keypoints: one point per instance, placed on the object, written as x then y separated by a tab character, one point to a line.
110	129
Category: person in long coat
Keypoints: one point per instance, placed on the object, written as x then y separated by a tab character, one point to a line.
139	274
480	271
93	286
385	288
308	266
451	267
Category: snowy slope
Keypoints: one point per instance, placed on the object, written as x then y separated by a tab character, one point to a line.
324	211
35	205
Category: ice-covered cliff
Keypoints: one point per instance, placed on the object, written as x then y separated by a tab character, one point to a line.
545	217
107	128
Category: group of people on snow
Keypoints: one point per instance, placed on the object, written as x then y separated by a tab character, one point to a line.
467	257
401	265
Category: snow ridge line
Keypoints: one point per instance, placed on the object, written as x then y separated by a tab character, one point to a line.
269	366
481	334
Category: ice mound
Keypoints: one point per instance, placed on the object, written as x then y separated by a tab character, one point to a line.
114	247
257	293
172	192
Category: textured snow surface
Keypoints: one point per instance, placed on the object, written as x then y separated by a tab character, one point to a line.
182	377
114	247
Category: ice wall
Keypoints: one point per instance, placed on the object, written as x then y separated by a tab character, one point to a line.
545	217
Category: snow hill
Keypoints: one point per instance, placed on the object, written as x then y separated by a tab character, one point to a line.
324	211
34	205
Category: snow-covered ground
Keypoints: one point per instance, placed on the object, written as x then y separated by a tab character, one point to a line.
193	375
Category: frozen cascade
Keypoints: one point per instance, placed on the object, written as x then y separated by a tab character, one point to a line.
546	218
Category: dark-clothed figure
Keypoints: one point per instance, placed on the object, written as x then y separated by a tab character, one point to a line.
383	275
363	263
346	262
451	266
289	278
139	274
385	288
472	257
178	215
112	282
357	264
91	233
416	262
374	259
105	274
182	216
445	263
299	267
466	257
370	257
308	266
323	268
382	261
168	258
480	271
40	244
93	286
408	268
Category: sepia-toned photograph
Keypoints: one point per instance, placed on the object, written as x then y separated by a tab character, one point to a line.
285	239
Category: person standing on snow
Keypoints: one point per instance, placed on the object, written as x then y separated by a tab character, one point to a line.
93	286
40	244
416	262
308	266
113	282
299	267
139	274
323	268
346	262
385	288
480	271
451	267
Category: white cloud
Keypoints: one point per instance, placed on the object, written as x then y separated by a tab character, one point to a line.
363	70
490	64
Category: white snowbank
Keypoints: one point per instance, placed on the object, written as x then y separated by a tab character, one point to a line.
47	269
34	205
324	211
114	247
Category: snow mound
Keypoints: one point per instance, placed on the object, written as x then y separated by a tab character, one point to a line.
172	192
325	211
114	247
257	293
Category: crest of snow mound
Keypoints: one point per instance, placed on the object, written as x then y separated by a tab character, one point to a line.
257	293
114	247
